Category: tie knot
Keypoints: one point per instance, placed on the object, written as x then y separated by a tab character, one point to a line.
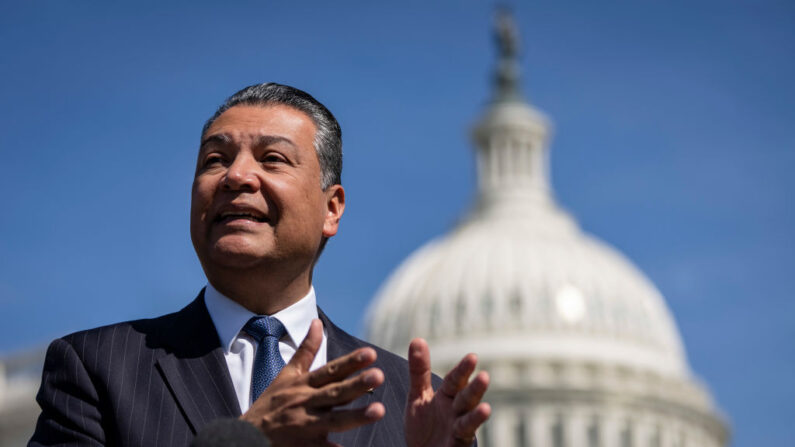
264	326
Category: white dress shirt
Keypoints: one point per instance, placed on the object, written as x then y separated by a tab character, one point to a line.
229	318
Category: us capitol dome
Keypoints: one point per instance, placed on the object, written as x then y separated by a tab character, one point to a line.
581	347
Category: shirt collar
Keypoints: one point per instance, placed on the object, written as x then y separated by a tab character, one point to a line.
229	317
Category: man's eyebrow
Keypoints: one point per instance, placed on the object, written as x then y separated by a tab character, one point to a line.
220	138
267	140
264	140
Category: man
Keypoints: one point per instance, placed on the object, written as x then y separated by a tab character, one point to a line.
266	197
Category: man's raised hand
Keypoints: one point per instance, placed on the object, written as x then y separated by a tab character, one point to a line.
449	416
298	406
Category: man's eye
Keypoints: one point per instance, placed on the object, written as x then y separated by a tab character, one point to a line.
212	160
273	158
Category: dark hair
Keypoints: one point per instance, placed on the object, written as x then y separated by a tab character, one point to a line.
328	137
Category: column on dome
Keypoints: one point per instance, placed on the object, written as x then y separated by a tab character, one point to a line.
641	431
626	433
670	433
511	156
593	430
539	425
483	435
699	437
514	169
521	429
611	428
521	159
684	438
666	433
632	433
488	162
655	434
576	426
557	430
502	426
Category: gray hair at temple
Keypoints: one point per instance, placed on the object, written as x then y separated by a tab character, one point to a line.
328	137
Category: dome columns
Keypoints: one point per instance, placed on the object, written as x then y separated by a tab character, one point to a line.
512	157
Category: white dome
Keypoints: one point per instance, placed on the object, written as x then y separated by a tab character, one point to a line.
523	283
581	347
574	336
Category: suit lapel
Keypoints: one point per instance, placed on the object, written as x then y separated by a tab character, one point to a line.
194	367
338	344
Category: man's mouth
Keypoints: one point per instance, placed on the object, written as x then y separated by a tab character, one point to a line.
229	216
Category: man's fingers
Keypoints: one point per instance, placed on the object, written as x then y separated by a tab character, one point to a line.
419	369
343	420
341	393
471	395
339	369
458	377
464	426
305	354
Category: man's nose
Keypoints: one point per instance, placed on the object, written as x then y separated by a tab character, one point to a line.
242	174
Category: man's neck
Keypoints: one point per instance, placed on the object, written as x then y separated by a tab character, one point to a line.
262	296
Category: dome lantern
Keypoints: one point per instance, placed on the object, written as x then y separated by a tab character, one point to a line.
511	138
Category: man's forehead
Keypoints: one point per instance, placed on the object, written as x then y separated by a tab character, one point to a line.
251	120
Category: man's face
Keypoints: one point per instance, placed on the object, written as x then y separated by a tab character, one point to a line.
257	195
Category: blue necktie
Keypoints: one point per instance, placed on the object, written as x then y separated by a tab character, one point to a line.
268	361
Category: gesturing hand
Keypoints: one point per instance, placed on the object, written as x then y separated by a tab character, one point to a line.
298	407
449	416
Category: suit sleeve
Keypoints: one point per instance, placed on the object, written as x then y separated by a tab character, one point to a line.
70	414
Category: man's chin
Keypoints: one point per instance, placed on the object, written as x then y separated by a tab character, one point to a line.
236	256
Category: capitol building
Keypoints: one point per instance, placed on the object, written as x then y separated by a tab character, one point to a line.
581	347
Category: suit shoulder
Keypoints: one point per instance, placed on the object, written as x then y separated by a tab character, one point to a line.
118	330
117	338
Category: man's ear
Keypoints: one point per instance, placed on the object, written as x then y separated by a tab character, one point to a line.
335	206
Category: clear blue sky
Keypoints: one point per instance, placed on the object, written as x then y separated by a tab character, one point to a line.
675	138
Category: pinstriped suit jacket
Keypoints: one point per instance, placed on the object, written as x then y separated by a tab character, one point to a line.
156	382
